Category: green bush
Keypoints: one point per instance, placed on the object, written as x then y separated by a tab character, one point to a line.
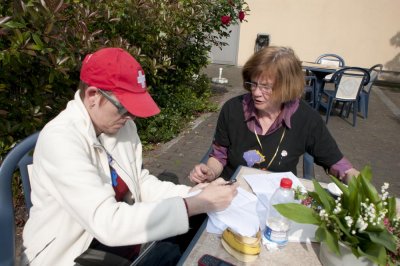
43	43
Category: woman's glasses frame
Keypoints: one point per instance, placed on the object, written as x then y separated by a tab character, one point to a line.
252	86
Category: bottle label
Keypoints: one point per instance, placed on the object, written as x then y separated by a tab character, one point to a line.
279	237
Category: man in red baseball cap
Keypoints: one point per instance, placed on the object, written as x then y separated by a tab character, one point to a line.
116	71
91	197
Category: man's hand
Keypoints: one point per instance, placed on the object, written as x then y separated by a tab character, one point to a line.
199	186
217	196
201	173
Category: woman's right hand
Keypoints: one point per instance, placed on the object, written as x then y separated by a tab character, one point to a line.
217	196
201	173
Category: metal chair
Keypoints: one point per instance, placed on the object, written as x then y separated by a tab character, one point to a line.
348	83
374	72
18	158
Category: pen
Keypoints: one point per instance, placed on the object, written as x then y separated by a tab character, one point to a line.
230	182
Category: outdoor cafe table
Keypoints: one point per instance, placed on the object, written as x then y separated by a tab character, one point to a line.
320	71
293	254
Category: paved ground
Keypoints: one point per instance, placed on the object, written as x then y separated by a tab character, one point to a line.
374	141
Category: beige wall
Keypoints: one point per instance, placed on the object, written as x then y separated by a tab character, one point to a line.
363	32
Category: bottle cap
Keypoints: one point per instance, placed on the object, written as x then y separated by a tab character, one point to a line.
286	182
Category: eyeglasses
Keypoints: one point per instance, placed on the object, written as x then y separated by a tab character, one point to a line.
265	89
121	109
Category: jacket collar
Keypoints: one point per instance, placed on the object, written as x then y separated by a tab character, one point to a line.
105	140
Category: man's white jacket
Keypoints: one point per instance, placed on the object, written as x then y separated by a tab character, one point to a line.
73	199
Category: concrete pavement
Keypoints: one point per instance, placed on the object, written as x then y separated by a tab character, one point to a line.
374	141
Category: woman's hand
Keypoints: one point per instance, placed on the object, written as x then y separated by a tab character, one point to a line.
350	174
201	173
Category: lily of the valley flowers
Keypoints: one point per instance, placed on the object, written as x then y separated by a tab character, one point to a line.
361	218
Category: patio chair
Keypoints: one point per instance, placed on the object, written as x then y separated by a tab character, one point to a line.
18	158
309	91
348	83
330	59
374	72
308	166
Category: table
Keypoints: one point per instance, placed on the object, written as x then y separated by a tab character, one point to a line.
320	71
292	254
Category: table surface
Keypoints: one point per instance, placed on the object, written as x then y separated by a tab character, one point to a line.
322	67
292	254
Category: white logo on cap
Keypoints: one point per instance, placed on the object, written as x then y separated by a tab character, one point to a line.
141	79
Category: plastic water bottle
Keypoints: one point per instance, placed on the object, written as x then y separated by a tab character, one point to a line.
277	226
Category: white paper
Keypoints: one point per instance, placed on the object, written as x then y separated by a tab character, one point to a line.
241	216
214	226
264	185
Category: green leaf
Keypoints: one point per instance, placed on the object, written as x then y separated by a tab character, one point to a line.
34	47
353	205
368	189
367	173
37	40
378	227
14	25
391	201
298	213
326	199
350	238
51	76
383	238
374	252
341	186
324	235
351	200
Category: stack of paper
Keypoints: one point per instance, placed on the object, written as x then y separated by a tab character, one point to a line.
248	212
241	216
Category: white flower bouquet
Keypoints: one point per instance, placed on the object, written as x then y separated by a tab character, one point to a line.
360	218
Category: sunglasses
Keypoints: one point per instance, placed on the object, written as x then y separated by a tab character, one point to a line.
118	105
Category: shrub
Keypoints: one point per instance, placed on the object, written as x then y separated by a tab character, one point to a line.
43	42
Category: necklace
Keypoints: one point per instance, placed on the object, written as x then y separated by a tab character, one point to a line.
279	144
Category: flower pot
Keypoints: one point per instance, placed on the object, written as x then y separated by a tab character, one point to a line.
328	258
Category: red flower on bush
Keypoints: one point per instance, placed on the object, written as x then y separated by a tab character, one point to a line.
241	15
226	20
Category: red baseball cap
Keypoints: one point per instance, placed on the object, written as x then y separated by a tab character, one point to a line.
115	70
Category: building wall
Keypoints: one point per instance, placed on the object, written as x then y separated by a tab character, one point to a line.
363	32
